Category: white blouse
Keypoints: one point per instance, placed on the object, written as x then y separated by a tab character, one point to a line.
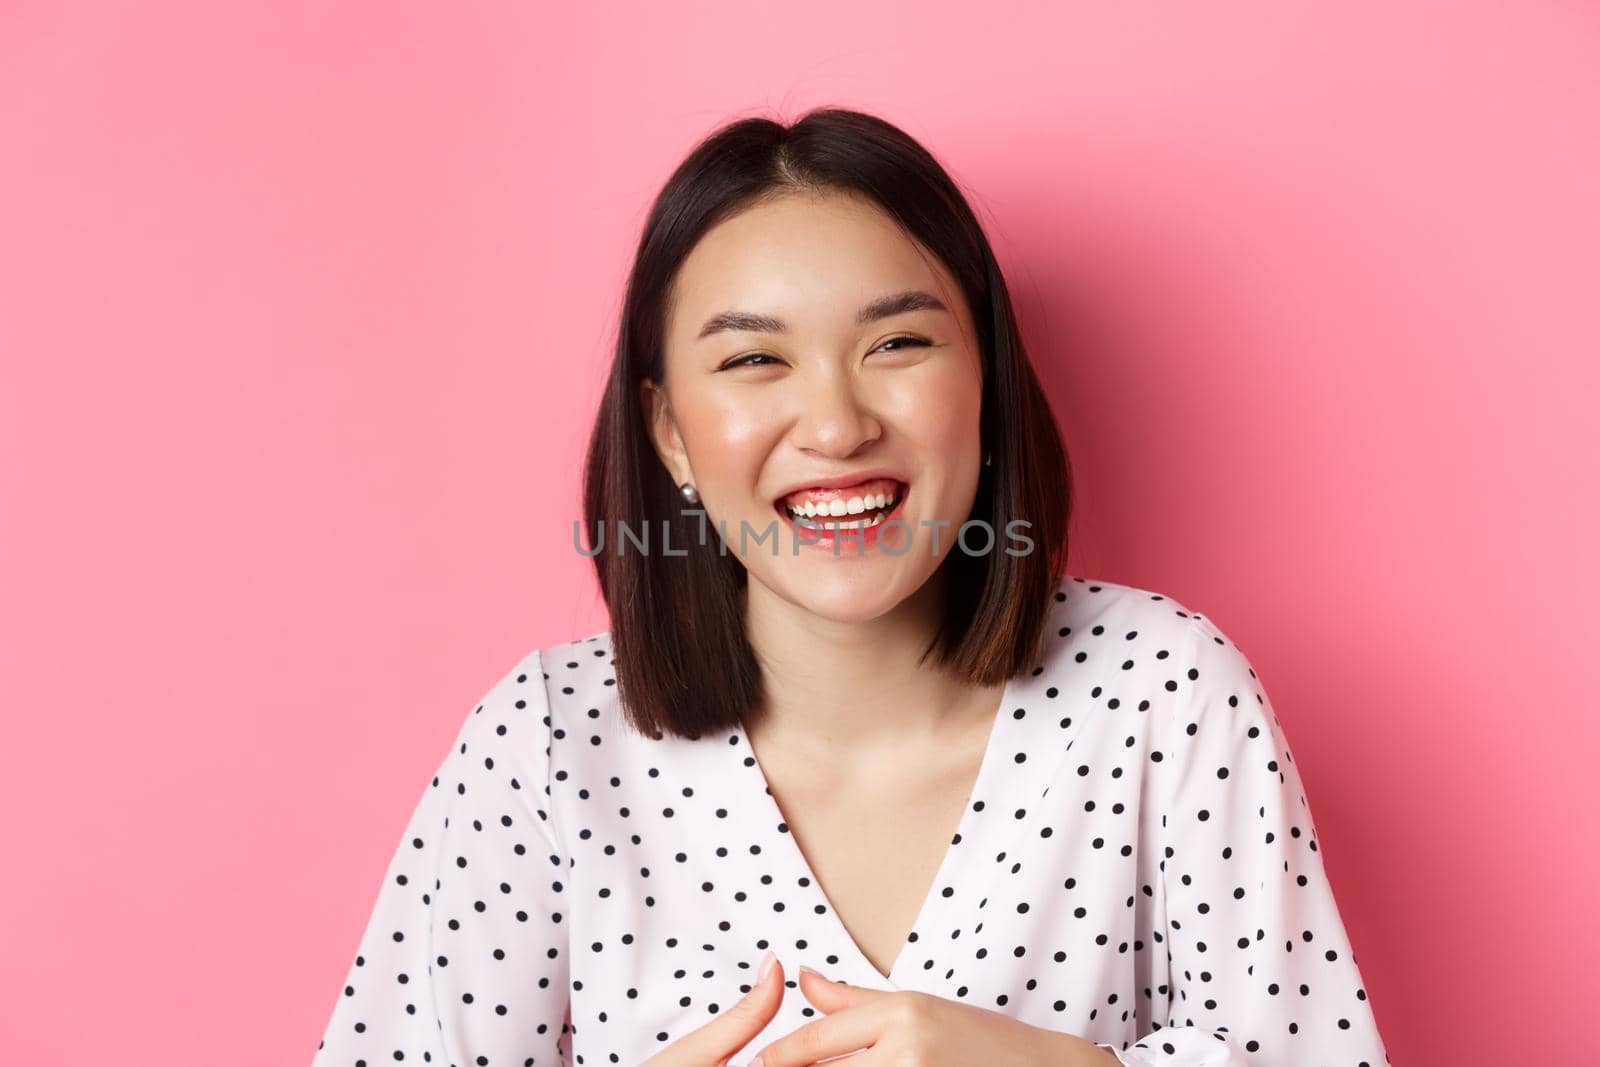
1137	865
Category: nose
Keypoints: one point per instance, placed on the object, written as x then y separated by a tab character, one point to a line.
835	420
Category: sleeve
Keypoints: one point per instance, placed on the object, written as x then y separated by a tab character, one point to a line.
465	957
1261	969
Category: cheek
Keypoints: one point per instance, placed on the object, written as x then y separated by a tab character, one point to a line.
942	408
724	434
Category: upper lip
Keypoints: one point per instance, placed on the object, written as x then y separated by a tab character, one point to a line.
842	480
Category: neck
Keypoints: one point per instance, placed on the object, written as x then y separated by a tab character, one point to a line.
850	691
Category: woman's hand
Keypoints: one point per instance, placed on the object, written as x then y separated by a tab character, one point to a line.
730	1031
904	1027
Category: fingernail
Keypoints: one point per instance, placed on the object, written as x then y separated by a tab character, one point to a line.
766	968
810	970
755	1062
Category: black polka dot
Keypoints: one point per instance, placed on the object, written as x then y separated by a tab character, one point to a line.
1136	865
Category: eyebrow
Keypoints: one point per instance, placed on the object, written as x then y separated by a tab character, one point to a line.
881	308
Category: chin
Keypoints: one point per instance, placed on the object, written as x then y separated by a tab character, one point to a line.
850	611
859	591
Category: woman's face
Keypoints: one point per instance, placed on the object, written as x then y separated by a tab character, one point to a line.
789	365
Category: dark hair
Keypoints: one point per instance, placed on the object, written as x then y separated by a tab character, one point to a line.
683	663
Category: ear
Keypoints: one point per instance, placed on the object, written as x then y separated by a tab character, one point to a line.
663	429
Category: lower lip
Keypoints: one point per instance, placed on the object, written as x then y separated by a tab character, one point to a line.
851	542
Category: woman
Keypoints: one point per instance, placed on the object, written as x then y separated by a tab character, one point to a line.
850	714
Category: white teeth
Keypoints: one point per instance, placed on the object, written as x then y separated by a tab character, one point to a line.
853	524
877	503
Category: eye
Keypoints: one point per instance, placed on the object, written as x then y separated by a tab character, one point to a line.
913	341
748	359
740	361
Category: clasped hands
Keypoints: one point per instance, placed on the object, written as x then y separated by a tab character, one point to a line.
874	1027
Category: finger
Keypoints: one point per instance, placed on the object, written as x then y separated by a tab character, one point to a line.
735	1028
829	996
847	1030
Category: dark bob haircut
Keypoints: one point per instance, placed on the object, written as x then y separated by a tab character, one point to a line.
683	663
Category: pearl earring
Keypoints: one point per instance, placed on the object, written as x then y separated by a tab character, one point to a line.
988	460
690	494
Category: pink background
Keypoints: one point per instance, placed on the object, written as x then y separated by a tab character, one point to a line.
305	310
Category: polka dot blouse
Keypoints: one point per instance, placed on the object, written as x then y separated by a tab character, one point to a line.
1136	864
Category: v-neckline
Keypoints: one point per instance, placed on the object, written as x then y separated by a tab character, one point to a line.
795	857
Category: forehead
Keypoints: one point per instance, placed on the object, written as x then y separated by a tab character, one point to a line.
810	258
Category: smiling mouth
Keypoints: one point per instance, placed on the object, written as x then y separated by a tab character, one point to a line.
871	510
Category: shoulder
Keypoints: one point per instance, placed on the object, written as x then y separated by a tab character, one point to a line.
1095	615
538	690
1188	666
583	663
1163	646
510	730
579	675
516	695
577	691
558	674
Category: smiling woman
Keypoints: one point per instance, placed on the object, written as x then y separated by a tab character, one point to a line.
815	310
1019	816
